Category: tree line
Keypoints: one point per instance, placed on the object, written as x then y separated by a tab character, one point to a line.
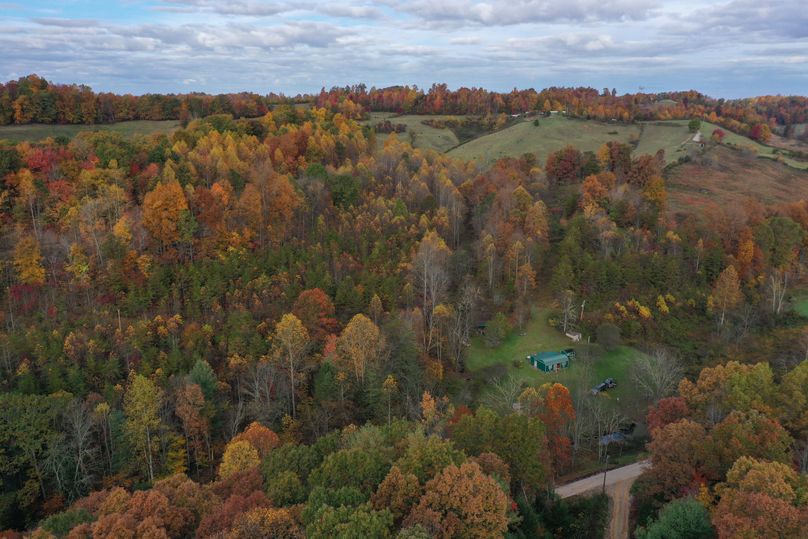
32	99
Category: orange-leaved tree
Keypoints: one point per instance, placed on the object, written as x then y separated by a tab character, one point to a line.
462	501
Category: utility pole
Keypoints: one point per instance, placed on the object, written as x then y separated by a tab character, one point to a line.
605	467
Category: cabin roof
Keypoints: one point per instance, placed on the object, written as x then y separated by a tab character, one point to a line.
549	358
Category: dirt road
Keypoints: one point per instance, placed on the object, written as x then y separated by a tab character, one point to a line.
618	487
620	495
593	482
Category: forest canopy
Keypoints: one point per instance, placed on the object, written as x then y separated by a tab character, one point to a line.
262	323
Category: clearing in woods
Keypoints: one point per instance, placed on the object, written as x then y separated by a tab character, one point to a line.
485	364
801	305
35	132
425	137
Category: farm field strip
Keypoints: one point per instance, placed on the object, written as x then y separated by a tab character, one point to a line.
36	132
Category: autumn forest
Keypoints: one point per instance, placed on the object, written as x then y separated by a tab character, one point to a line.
283	317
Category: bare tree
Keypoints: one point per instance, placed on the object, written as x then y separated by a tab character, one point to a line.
657	375
261	388
71	458
79	426
801	450
568	309
605	419
504	394
778	285
461	323
580	390
429	267
489	254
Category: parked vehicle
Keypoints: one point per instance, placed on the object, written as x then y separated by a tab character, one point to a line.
608	383
612	438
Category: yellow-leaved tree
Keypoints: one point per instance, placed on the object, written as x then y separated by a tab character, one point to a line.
291	341
239	456
727	292
359	345
163	208
28	261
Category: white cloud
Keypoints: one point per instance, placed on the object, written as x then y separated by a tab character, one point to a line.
252	8
509	12
465	40
726	48
740	18
356	12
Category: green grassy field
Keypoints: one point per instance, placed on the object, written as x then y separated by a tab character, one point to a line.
801	305
555	132
34	132
734	139
552	134
539	337
426	137
668	136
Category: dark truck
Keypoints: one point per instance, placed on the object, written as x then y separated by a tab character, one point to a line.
608	383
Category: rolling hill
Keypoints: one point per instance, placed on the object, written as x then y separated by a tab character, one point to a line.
552	134
418	134
728	175
555	132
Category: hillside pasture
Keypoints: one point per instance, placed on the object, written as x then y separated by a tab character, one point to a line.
555	132
739	141
729	176
36	132
552	134
671	135
789	144
425	136
668	136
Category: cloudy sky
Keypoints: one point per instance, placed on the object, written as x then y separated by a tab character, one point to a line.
726	48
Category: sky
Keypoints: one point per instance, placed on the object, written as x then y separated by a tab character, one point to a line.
724	48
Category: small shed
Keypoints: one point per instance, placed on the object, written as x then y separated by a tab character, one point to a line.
574	335
551	361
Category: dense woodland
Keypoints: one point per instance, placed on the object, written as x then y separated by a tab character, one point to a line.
258	327
32	99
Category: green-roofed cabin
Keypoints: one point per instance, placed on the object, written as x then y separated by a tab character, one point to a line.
551	361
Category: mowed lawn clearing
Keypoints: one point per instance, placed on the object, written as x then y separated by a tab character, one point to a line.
538	337
36	132
801	304
509	359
